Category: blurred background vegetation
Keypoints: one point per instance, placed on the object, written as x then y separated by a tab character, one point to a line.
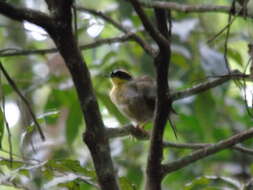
63	161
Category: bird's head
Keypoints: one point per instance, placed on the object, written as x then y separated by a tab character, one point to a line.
119	77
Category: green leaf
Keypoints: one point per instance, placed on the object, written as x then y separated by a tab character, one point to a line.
212	183
67	98
125	184
179	60
7	89
70	166
15	164
190	125
73	122
205	112
197	184
65	182
236	56
108	56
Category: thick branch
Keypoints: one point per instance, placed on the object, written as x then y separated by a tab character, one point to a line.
95	136
163	104
207	85
192	8
108	19
207	151
154	33
25	14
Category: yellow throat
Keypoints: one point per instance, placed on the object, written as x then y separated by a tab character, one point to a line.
117	82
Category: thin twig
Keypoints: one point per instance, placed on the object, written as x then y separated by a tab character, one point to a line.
6	123
239	148
230	22
243	86
103	16
221	31
106	41
15	88
20	157
207	85
187	8
151	51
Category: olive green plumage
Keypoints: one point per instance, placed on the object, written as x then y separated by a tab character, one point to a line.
134	97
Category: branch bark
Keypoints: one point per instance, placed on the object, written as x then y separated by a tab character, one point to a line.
97	43
207	151
186	8
139	134
154	33
95	136
202	87
163	105
24	14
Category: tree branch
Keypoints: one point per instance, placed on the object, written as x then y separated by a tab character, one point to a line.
207	151
163	104
207	85
135	37
139	134
186	8
154	33
25	14
126	130
22	97
239	148
96	43
94	136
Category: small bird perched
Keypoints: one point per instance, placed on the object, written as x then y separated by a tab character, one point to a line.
134	97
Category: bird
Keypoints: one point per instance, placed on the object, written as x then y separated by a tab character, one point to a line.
134	97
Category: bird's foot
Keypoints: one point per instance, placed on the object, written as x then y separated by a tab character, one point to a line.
141	129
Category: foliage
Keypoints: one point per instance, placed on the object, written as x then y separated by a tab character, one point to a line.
63	161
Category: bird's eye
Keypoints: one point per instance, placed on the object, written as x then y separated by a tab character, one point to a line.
121	74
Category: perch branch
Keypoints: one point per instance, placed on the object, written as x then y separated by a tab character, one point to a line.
139	134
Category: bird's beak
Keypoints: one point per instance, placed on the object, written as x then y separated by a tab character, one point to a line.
105	75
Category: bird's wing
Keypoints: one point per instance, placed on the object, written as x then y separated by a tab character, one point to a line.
146	87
